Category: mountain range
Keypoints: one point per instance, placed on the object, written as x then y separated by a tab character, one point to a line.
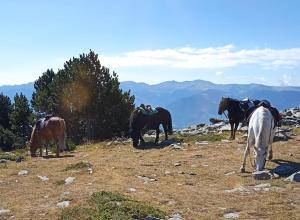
192	102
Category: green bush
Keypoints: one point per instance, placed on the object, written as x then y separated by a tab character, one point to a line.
7	139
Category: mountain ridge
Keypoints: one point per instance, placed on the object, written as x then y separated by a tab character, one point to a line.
191	102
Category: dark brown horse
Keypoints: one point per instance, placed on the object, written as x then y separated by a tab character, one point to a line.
236	111
44	131
139	121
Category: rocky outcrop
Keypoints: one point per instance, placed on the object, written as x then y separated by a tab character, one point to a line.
291	117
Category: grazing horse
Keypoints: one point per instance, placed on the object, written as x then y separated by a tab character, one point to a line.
139	120
261	131
44	131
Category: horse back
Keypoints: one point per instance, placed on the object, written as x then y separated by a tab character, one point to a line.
261	119
54	128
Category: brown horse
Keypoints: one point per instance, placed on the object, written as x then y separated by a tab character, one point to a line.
44	131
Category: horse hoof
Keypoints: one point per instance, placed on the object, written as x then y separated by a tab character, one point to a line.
242	170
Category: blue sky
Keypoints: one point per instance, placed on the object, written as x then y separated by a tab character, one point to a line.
151	41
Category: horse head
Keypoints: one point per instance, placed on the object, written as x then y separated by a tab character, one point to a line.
33	142
134	133
222	105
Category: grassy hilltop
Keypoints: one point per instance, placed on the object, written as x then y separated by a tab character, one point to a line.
115	181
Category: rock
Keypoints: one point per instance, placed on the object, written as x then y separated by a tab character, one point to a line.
239	189
132	190
229	173
201	143
231	215
63	204
43	178
69	180
19	159
146	179
285	170
172	202
4	211
193	174
176	146
167	173
262	175
264	187
90	170
225	141
23	172
175	217
3	161
152	218
281	137
177	164
294	177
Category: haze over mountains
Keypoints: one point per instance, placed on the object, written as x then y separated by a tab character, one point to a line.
192	102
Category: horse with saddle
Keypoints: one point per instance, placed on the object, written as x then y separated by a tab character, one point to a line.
239	111
148	118
46	130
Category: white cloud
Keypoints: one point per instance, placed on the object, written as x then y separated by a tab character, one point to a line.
286	80
206	58
218	73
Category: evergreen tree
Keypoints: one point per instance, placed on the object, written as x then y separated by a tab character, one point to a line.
5	109
88	97
21	118
43	102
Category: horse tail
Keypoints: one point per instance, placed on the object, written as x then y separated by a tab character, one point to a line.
170	127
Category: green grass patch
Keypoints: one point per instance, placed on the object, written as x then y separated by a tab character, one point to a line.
78	166
111	206
296	131
213	137
13	155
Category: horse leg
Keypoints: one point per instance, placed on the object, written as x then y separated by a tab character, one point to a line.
246	152
58	147
270	152
47	145
157	135
141	138
231	131
166	131
41	151
234	131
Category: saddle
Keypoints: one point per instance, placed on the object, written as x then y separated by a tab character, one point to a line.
41	122
148	111
275	113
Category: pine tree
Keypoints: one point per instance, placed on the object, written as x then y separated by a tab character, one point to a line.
87	96
5	110
43	101
21	117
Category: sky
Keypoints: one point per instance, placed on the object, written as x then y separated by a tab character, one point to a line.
222	41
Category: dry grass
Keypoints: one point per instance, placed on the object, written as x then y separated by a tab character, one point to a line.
116	169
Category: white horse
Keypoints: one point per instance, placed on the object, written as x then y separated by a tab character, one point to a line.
261	132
